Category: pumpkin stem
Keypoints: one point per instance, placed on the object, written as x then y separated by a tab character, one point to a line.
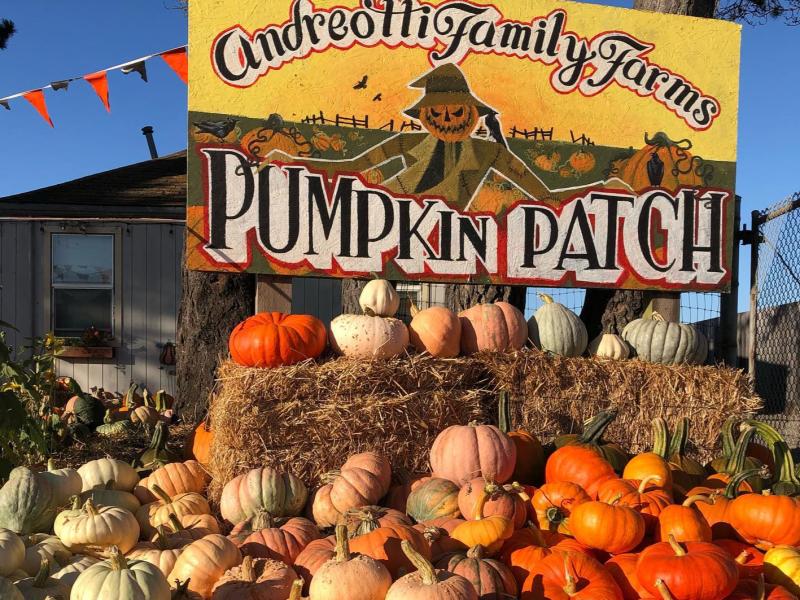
660	437
425	568
175	522
43	574
118	562
787	483
676	547
479	505
594	428
75	502
677	443
696	498
504	416
744	556
516	488
546	299
726	435
663	590
761	589
737	460
89	507
248	573
645	481
297	589
162	495
51	465
476	551
107	419
263	519
413	309
160	537
554	515
656	316
342	543
571	587
732	488
181	589
130	395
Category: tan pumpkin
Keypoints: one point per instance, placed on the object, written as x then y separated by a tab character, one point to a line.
203	563
362	481
363	577
65	483
498	327
98	472
161	553
435	330
462	453
146	414
187	528
368	336
284	542
12	552
40	546
107	496
427	583
174	479
42	586
121	579
263	489
95	529
379	298
609	345
158	513
255	579
70	572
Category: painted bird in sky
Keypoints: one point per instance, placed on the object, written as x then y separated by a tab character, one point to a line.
377	98
495	129
362	84
219	129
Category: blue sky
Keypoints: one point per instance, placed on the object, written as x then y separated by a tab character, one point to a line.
63	39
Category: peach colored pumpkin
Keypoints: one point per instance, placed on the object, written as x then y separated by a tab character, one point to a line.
174	479
161	553
461	453
255	579
368	336
157	513
435	330
427	583
187	528
383	544
313	556
284	542
509	501
203	562
498	327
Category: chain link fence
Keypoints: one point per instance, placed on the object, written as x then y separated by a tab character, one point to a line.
775	349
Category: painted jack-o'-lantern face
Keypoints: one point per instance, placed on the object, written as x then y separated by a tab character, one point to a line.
449	122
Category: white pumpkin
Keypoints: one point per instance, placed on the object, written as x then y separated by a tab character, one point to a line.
70	572
121	579
64	482
95	529
365	336
12	552
609	345
42	546
379	298
554	328
42	586
98	472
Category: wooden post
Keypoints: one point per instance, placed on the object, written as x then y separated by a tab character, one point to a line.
755	241
729	303
273	293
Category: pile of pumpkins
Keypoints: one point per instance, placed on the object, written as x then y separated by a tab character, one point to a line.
497	517
277	339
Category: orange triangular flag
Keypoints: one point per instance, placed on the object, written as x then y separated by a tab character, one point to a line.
36	98
178	62
99	81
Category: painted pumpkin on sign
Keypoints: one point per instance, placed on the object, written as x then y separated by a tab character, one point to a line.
665	163
449	122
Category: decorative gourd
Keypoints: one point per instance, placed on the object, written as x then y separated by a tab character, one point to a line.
69	573
683	522
435	330
570	575
622	568
94	529
42	586
384	545
696	570
497	327
262	489
379	298
432	499
27	502
111	428
462	452
146	414
489	532
491	579
281	542
582	465
65	483
174	478
313	556
592	436
363	577
121	579
41	546
426	583
198	444
255	579
609	345
157	454
100	471
274	339
8	591
203	563
510	500
12	552
162	553
553	503
782	567
554	328
362	481
613	528
158	513
658	341
529	465
368	336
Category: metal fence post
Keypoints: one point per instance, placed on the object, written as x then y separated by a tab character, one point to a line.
755	224
729	303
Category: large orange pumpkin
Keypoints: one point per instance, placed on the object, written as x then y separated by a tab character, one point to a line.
527	546
564	575
583	465
498	327
766	520
274	339
673	166
383	544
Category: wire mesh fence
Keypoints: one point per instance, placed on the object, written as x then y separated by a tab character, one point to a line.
777	316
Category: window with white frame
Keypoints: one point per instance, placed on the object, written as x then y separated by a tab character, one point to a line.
82	283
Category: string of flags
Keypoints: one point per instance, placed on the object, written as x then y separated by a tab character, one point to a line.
176	59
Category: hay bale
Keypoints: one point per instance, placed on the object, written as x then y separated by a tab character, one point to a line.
309	417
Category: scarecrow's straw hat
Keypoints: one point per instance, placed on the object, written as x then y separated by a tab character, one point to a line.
445	84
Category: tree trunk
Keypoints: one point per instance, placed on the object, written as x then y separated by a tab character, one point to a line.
351	290
608	310
211	306
461	296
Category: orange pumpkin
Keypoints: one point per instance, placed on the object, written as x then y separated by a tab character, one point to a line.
384	545
766	520
435	330
527	546
583	465
426	583
489	532
650	466
749	560
263	537
174	479
509	501
684	522
582	161
553	503
203	563
274	339
198	444
497	327
313	556
256	580
565	575
612	528
490	578
678	168
622	568
529	467
437	534
648	503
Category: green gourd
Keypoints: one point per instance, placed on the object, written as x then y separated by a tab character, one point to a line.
113	429
157	454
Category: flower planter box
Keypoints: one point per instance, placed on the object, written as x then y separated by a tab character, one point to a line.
90	352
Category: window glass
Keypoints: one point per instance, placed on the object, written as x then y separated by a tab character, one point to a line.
75	310
83	260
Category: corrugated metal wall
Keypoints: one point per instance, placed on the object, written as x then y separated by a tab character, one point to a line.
150	295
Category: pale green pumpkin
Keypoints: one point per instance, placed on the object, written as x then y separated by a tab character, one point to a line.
659	341
122	580
265	489
42	586
554	328
27	502
100	471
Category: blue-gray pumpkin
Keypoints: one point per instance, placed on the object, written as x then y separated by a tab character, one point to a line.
555	328
27	502
659	341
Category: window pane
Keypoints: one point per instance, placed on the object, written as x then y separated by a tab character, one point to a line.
83	259
74	311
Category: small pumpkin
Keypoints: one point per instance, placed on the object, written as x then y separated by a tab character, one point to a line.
106	495
255	579
276	540
510	500
527	546
462	452
749	560
529	466
554	328
41	546
609	345
553	503
94	529
162	553
262	489
491	579
99	472
683	522
384	545
612	528
121	579
69	573
650	466
435	330
622	568
174	478
368	518
368	336
158	513
379	298
433	499
497	327
203	563
673	166
363	577
658	341
113	429
782	567
146	414
198	444
686	471
648	503
426	583
187	528
594	429
273	339
42	586
489	532
437	534
12	552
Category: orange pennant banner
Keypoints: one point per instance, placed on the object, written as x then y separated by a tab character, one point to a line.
178	62
99	81
36	98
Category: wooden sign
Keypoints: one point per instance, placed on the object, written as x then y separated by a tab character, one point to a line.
519	142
